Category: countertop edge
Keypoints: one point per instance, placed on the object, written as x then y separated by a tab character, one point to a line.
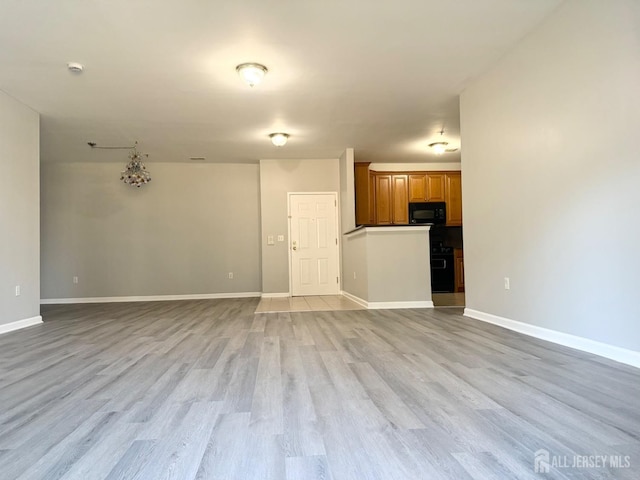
387	229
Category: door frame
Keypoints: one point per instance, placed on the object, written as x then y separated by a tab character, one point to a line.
338	236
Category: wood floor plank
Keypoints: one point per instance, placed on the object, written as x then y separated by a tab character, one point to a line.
301	435
267	407
308	468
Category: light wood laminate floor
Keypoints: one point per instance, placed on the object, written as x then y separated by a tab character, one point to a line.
209	390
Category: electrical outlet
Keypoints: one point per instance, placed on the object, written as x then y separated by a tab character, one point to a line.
281	238
75	280
17	290
230	275
507	284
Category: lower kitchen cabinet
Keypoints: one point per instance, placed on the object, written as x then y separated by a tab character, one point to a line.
458	262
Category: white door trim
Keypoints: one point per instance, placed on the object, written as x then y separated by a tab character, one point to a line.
338	233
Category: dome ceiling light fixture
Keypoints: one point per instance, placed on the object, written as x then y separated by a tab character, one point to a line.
279	139
440	146
75	67
251	73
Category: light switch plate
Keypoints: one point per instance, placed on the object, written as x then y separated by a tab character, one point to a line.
270	240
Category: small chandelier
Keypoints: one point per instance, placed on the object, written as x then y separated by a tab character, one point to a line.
135	173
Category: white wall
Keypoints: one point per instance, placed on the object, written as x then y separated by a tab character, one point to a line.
354	264
277	177
390	266
551	176
179	235
399	265
19	211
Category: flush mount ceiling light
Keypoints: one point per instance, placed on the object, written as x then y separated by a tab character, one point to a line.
135	172
75	67
440	147
251	73
279	139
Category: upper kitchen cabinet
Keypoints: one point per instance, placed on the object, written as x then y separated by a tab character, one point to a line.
391	199
383	198
400	200
435	187
364	194
417	187
453	198
426	187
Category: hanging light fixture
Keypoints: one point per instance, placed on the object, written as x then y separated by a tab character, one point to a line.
251	73
279	139
135	173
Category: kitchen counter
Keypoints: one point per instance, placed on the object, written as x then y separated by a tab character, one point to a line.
387	266
360	227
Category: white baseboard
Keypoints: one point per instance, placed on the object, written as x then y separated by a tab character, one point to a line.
622	355
387	305
148	298
392	305
358	300
276	295
27	322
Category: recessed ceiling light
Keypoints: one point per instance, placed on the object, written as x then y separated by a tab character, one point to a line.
279	139
251	73
75	67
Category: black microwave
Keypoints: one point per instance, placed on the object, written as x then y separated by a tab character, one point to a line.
428	212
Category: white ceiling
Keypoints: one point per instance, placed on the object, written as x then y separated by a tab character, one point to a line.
380	76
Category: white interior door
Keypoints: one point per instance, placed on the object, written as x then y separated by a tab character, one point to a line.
314	243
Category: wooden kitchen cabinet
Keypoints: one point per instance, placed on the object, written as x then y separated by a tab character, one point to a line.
387	195
364	194
435	187
391	199
400	191
458	262
453	198
426	187
417	187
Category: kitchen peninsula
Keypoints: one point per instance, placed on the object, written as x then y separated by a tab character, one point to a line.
387	266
